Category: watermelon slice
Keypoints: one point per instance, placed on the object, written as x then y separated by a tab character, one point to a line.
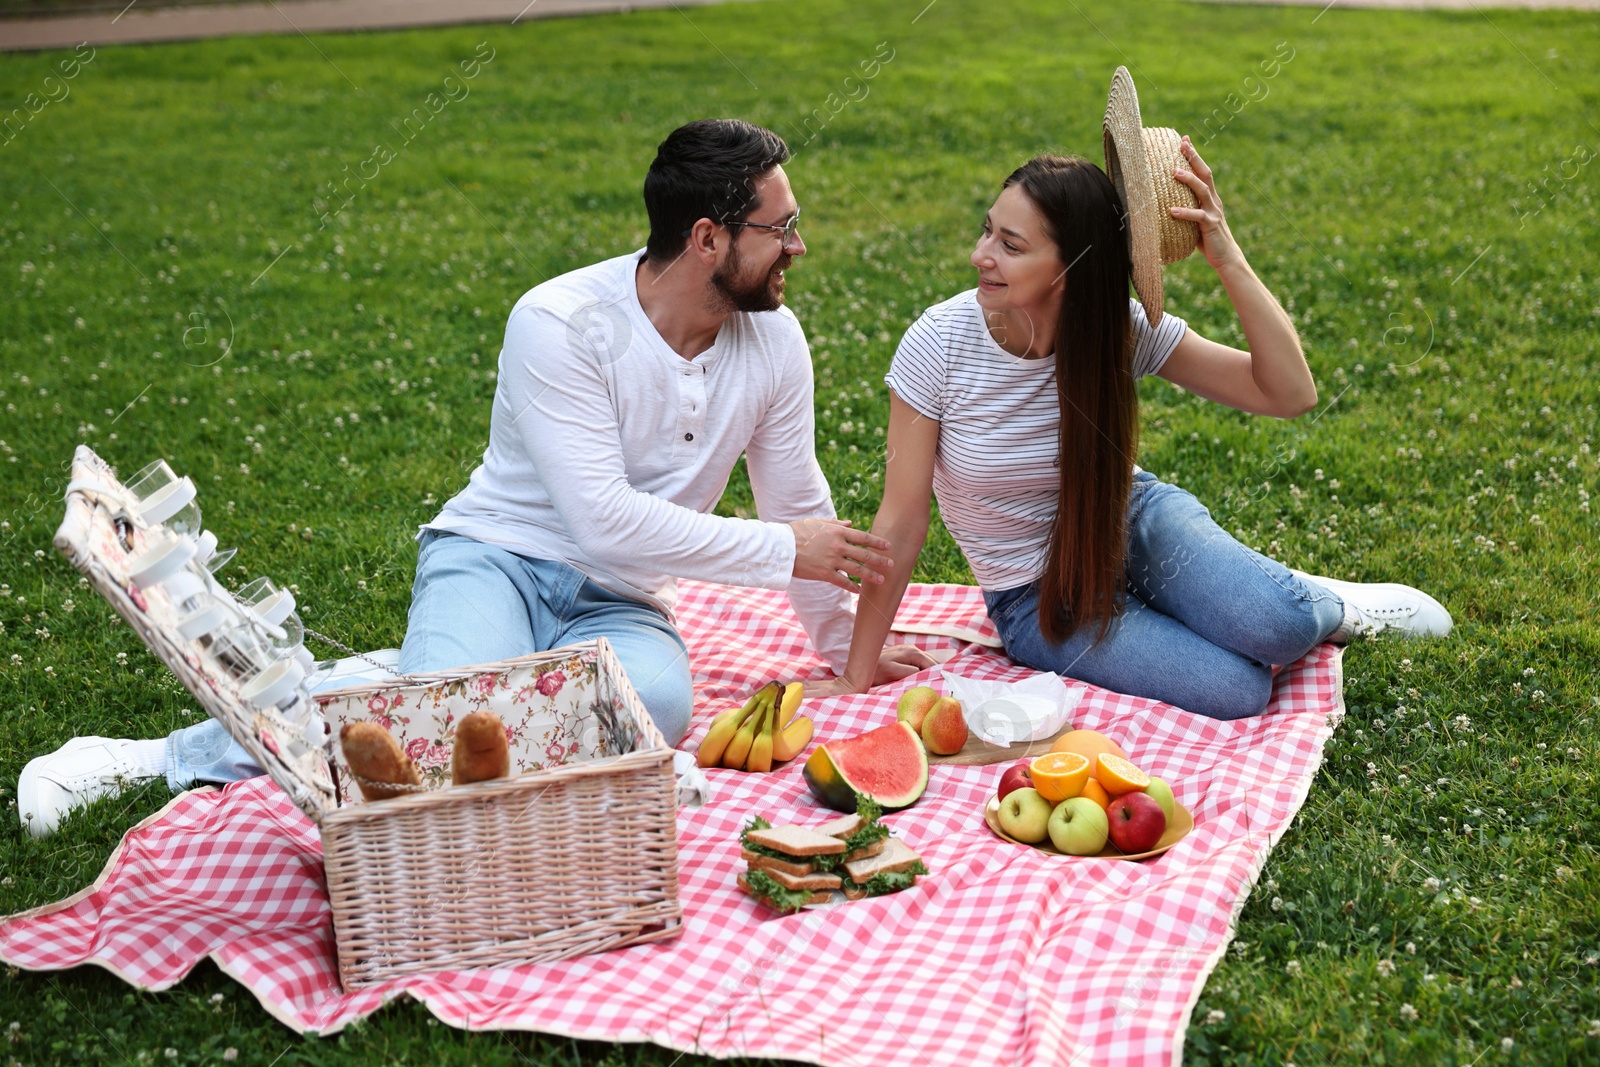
888	764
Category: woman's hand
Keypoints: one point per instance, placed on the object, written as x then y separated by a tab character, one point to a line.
1216	242
894	663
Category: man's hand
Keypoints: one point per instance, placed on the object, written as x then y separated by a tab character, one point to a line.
894	663
830	550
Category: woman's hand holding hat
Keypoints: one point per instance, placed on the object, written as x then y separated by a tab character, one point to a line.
1216	241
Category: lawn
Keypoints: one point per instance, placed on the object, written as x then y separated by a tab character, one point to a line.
178	279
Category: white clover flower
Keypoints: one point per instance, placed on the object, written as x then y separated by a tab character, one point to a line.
1431	884
1293	967
1407	1012
1277	904
1214	1016
1386	967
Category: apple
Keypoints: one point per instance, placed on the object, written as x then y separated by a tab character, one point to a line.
1137	822
1012	779
1025	815
1163	794
915	705
1025	766
1078	827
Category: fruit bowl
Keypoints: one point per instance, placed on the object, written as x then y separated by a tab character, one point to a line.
1177	829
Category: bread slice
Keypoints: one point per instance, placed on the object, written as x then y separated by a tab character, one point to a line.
806	881
842	827
859	892
796	841
767	863
867	850
896	857
821	897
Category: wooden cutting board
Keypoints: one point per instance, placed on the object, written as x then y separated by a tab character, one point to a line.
980	753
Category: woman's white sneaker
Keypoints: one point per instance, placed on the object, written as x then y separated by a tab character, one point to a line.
73	776
1373	607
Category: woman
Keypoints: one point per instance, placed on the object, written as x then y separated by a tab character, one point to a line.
1015	402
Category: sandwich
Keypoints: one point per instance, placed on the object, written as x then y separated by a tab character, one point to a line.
789	867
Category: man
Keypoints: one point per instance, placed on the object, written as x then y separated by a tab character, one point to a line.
627	392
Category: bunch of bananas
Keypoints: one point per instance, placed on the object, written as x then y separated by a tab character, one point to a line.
762	732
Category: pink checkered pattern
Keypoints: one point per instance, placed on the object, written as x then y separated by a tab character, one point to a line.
1001	955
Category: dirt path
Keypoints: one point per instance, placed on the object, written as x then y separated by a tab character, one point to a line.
286	17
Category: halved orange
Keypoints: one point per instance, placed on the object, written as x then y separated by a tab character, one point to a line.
1088	744
1059	776
1119	776
1097	793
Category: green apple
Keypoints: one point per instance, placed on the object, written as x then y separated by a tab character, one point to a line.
1079	827
1025	815
915	705
1162	793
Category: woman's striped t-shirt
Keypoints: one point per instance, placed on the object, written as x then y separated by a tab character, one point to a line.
999	420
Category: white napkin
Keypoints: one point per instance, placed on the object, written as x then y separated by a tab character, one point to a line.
694	788
1005	712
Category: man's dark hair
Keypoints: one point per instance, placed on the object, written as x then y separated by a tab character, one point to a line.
706	170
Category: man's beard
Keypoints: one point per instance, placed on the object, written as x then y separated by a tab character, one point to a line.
757	295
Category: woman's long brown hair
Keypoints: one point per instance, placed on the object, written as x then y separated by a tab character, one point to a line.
1083	578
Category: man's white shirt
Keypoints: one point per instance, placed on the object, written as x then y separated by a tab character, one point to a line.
608	450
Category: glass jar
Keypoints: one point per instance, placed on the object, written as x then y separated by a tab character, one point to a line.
275	607
165	498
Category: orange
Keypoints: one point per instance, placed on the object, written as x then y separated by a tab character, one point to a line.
1096	792
1088	744
1119	776
1059	775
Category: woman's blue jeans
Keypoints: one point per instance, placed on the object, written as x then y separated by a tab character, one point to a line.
471	603
1203	621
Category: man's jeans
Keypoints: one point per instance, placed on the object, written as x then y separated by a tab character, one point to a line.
476	603
1203	622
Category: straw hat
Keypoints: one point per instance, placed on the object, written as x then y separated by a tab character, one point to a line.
1140	161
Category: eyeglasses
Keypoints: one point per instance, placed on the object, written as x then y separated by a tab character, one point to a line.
788	228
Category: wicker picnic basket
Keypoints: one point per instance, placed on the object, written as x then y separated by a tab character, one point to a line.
575	854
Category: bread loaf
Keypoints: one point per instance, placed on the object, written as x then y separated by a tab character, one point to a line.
481	751
375	759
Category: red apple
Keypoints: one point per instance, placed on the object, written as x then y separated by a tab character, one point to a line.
1014	778
1137	822
1025	766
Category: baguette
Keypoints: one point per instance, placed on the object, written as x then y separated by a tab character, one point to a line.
375	759
481	751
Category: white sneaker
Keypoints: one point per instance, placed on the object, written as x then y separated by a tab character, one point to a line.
1372	607
78	773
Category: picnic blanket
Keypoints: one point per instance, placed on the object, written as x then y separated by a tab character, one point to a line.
1002	954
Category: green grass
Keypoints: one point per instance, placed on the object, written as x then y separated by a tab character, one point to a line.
1384	187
